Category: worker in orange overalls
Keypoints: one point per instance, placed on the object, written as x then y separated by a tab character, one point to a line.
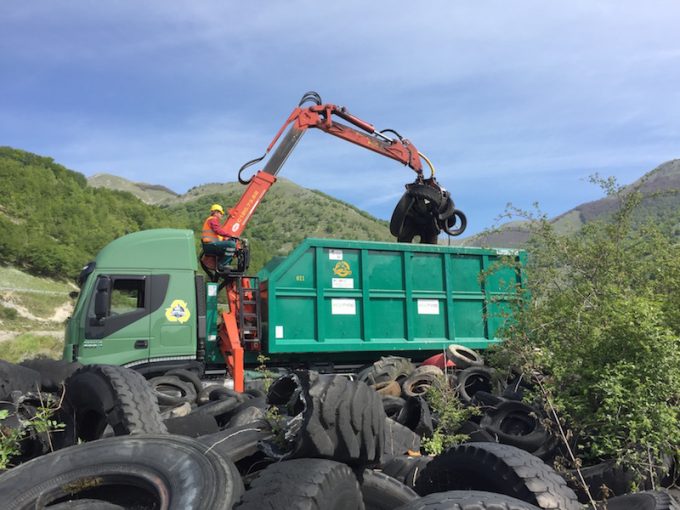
215	239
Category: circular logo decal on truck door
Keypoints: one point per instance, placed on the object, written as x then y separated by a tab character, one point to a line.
178	311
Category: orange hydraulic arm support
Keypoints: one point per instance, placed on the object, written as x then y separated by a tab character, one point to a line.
230	340
319	116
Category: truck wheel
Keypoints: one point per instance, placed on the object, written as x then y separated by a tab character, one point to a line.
152	471
387	368
53	372
327	416
107	395
649	500
497	468
464	357
406	469
468	500
312	484
382	492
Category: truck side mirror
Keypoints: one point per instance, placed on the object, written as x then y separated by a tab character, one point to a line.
102	297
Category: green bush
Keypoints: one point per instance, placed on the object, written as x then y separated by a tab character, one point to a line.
600	335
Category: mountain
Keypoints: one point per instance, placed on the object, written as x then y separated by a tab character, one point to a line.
53	220
660	191
147	193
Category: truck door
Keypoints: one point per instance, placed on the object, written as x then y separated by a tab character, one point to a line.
117	321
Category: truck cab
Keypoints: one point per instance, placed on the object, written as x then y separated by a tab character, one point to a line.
141	303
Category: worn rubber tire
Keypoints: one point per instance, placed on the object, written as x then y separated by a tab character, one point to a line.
417	384
392	406
387	368
406	469
464	357
399	440
474	379
86	504
382	492
246	416
399	214
187	376
53	372
497	468
17	378
475	433
648	500
416	416
468	500
111	469
186	391
102	395
239	442
428	369
304	484
192	425
387	388
516	424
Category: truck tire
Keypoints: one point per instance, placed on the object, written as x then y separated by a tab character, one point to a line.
53	372
417	384
464	357
17	378
387	388
237	443
141	471
304	484
516	424
399	214
192	425
392	406
399	440
187	376
416	416
107	395
468	500
382	492
327	416
497	468
86	504
387	368
171	391
648	500
406	469
474	379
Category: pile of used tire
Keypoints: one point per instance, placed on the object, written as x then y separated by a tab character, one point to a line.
313	441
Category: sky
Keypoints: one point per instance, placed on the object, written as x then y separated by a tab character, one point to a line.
514	102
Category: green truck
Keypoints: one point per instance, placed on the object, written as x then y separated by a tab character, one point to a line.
144	303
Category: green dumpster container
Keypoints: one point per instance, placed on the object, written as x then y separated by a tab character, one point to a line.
333	295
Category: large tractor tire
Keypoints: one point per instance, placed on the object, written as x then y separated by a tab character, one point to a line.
387	368
113	400
497	468
150	471
304	484
327	416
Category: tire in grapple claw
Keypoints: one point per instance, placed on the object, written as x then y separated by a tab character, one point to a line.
327	416
406	469
468	500
304	484
107	395
149	471
387	368
382	492
497	468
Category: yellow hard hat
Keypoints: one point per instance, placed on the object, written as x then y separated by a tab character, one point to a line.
216	207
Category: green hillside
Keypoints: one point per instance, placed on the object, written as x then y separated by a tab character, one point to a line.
660	190
53	221
148	193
